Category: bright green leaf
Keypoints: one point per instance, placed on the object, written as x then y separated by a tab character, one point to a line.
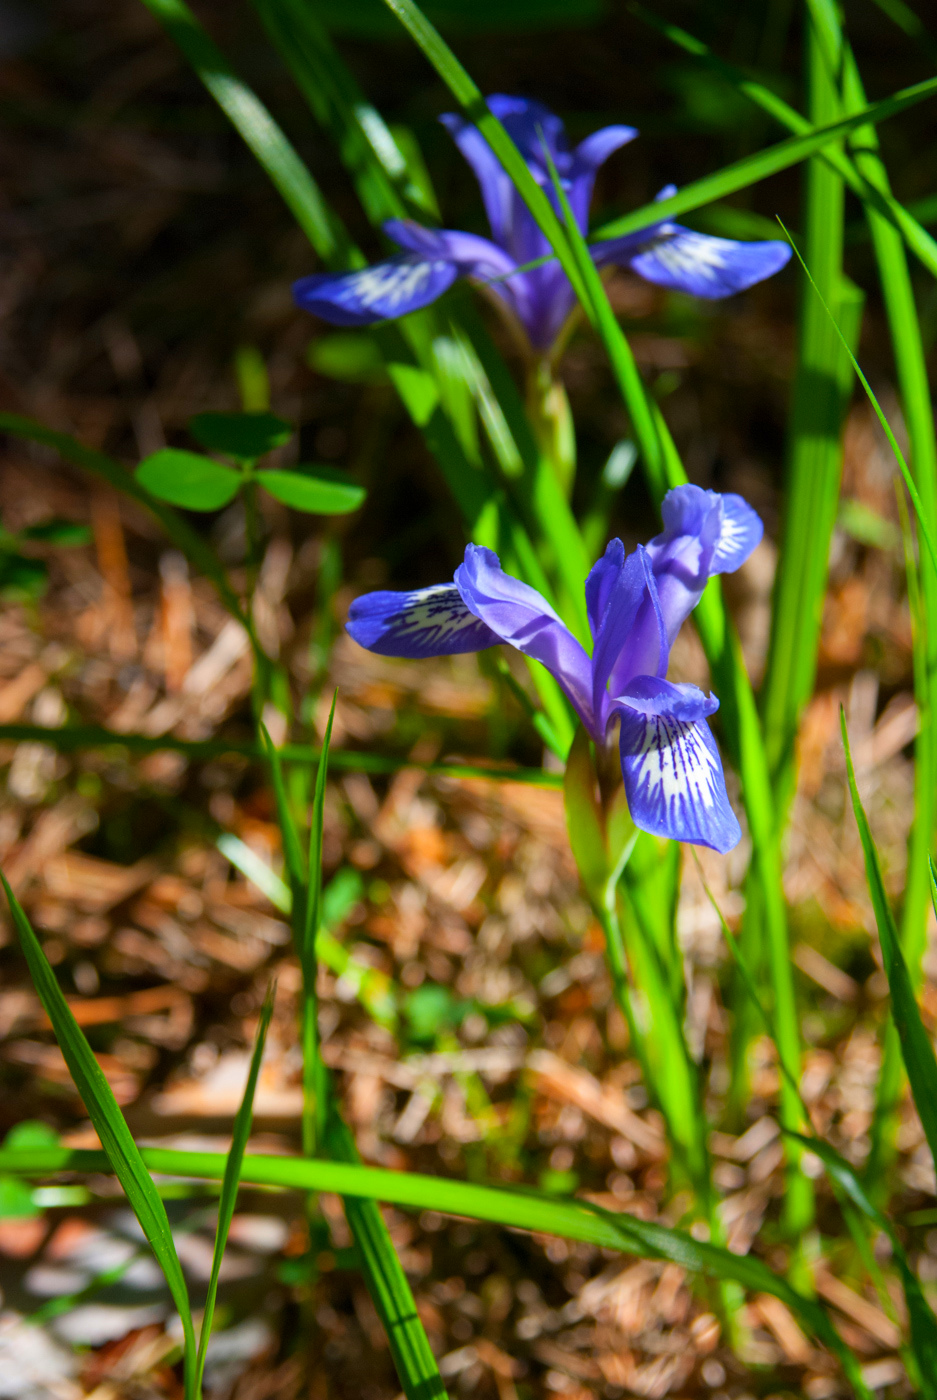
318	490
16	1199
246	436
352	356
188	480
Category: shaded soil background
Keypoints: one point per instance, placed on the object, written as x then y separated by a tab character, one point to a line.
140	247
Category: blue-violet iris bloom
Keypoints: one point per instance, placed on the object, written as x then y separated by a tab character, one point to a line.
636	604
542	298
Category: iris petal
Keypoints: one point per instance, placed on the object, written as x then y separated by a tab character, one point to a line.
427	622
741	531
704	266
672	770
520	616
375	293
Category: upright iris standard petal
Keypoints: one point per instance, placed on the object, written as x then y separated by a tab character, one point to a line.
379	293
704	266
704	533
672	770
742	529
601	582
631	639
520	616
427	622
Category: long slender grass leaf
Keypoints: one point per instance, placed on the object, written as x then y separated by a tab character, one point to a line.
121	1151
880	415
516	1209
922	244
916	1047
259	131
230	1183
752	169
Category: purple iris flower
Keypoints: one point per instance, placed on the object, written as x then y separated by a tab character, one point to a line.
636	604
542	298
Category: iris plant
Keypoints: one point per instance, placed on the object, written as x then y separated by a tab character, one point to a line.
541	298
636	604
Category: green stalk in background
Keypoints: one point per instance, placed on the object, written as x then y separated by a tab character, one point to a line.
914	388
821	388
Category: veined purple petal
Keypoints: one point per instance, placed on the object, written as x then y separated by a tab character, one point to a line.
426	622
672	770
474	257
377	293
520	616
586	159
742	529
631	639
496	187
602	578
704	533
704	266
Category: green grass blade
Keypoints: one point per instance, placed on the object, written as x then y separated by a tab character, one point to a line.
83	736
230	1183
472	102
378	162
386	1281
847	1183
259	131
872	195
98	464
372	988
315	1086
913	492
520	1209
752	169
121	1151
916	1047
292	847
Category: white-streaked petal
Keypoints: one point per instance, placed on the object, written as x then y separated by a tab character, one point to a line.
430	621
671	766
378	293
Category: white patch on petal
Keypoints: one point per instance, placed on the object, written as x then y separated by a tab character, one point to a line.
675	767
433	616
686	254
391	284
732	533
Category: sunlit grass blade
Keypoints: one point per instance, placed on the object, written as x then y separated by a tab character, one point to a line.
231	1182
916	1047
378	162
121	1151
520	1209
259	131
752	169
315	1084
875	198
886	428
386	1281
846	1182
292	846
911	365
472	102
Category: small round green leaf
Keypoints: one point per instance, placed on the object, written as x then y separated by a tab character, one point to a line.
318	490
353	356
188	480
16	1199
32	1132
245	436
